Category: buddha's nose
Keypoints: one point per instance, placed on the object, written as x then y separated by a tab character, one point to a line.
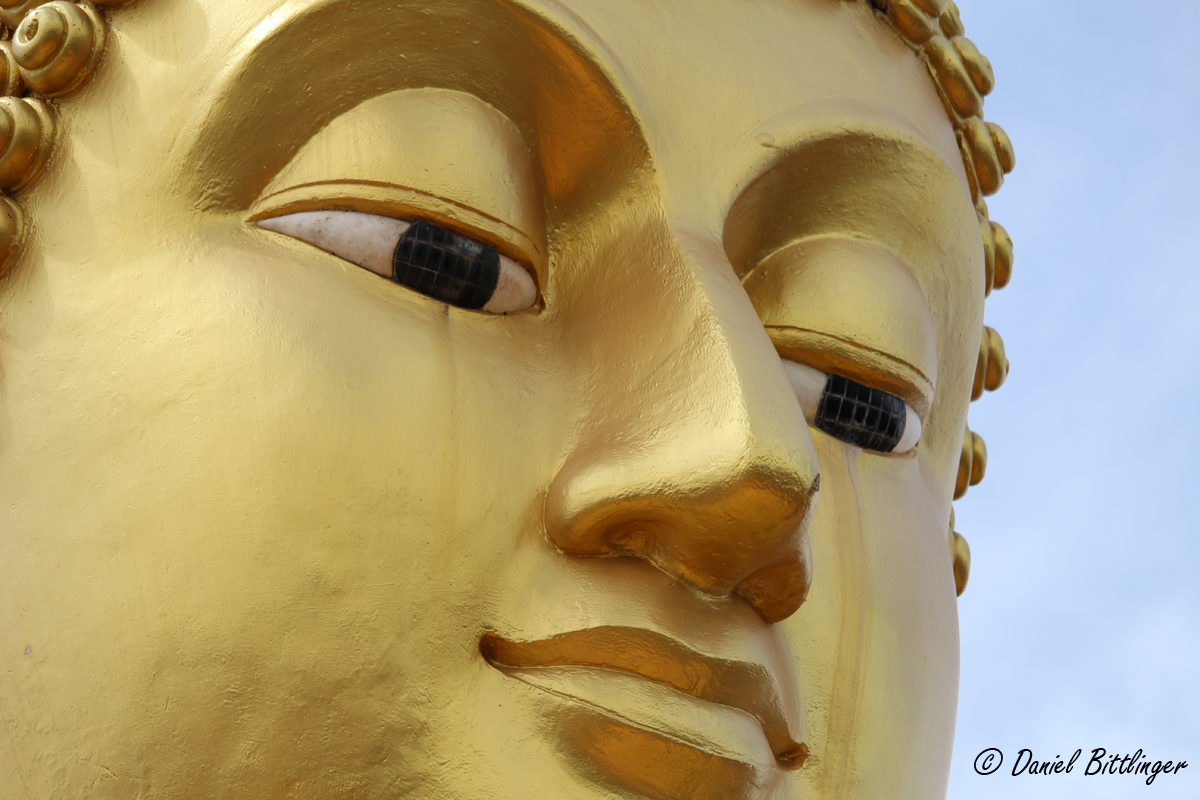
693	452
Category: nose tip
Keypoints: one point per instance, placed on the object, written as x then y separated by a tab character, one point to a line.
737	525
693	453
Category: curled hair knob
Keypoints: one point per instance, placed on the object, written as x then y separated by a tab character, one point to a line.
26	137
12	233
960	554
913	22
11	83
952	21
972	464
57	45
991	368
11	11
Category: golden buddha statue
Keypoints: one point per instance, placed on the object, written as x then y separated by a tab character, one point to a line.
488	398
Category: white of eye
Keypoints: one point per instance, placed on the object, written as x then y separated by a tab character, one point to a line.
370	240
809	385
912	431
515	289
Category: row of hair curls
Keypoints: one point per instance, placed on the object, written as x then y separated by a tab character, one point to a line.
48	48
963	76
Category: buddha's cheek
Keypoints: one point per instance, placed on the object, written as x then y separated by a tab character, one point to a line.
291	490
876	643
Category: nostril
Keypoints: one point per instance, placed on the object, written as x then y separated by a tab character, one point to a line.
712	485
631	538
778	591
744	533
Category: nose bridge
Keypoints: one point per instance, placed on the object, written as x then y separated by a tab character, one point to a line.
696	457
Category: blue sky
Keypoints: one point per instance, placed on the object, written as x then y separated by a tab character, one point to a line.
1081	624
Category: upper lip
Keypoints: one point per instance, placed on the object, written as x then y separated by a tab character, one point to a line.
747	686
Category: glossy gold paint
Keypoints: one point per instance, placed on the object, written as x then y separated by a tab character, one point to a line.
271	526
375	158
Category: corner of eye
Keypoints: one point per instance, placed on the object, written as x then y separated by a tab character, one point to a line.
307	225
808	384
299	225
368	240
912	431
515	289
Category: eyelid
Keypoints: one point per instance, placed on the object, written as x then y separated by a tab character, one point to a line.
372	248
832	355
430	260
445	153
808	384
851	307
399	202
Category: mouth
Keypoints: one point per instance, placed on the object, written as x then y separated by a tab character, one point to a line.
650	682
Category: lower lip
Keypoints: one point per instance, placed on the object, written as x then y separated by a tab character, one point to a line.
656	740
714	728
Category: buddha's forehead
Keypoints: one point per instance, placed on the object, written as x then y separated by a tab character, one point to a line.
721	87
718	87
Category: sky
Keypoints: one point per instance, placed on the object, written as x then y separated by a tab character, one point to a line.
1081	622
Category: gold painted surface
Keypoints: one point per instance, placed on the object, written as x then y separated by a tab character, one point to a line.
434	153
885	339
271	526
961	553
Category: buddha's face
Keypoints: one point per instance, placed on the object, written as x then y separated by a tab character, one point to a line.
276	522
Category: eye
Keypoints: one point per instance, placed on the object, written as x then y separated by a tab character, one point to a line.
435	261
859	415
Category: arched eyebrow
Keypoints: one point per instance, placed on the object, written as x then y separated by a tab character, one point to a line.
312	60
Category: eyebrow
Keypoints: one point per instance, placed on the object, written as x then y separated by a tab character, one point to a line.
309	62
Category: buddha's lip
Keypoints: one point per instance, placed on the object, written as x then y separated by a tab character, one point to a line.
746	686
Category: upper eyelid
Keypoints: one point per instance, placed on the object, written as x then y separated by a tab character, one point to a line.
408	149
863	365
405	204
409	219
430	259
850	306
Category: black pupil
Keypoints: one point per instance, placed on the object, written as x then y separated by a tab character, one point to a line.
862	416
446	266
